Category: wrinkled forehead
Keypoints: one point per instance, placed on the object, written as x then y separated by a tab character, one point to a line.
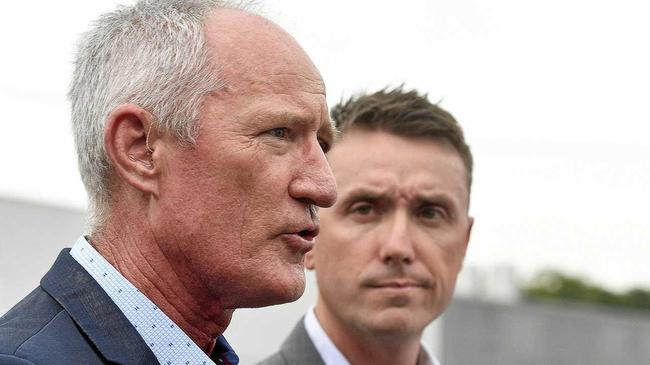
397	167
246	48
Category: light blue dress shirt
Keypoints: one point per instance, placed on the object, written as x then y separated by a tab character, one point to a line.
167	341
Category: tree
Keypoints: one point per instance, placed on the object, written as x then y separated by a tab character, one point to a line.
551	284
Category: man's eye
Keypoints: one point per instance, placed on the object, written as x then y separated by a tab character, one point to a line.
430	212
324	145
278	132
362	209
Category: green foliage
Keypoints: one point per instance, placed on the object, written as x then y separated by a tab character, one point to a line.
555	285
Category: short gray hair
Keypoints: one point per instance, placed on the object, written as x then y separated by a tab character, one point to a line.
151	54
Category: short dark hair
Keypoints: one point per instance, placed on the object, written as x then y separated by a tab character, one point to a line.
406	114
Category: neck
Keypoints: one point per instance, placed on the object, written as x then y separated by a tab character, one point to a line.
139	259
363	347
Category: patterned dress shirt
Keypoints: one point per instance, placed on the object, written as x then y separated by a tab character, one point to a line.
167	341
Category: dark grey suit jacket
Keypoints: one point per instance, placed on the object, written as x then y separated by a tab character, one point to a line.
297	349
70	319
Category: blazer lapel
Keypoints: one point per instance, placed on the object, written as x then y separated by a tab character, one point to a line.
95	313
298	347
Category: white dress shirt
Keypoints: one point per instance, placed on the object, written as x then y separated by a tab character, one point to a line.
331	354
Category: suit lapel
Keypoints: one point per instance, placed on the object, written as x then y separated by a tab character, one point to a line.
95	313
298	347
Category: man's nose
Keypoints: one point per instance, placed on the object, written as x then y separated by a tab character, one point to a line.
397	243
314	182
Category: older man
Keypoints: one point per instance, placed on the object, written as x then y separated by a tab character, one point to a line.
201	131
391	247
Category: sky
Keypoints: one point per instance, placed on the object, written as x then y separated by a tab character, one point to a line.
553	97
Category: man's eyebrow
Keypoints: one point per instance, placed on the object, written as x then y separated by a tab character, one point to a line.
288	116
433	197
364	193
438	198
329	131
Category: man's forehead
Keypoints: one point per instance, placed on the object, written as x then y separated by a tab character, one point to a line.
299	116
388	187
285	80
244	45
255	57
361	166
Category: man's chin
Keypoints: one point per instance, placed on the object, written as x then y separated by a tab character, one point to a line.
396	321
283	291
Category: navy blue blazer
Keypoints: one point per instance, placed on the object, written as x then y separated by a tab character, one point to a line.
69	319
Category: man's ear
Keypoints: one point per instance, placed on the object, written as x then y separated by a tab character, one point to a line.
130	147
469	231
310	263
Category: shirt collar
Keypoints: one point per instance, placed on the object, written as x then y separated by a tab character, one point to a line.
166	340
326	348
88	305
331	355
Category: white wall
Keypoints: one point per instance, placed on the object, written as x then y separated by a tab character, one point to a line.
31	236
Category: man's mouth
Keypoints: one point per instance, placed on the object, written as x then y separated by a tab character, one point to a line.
308	234
412	280
397	284
302	239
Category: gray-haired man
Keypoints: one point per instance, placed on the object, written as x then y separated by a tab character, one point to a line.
201	131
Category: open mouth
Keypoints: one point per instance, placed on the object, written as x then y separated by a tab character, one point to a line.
308	234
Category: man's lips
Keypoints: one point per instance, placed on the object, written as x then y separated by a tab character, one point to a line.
302	239
307	231
410	280
398	284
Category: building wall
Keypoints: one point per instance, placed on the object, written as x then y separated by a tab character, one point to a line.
31	236
536	333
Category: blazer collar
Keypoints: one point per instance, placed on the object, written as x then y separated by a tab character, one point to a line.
95	313
298	347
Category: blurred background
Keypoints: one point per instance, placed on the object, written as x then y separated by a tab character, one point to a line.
553	97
